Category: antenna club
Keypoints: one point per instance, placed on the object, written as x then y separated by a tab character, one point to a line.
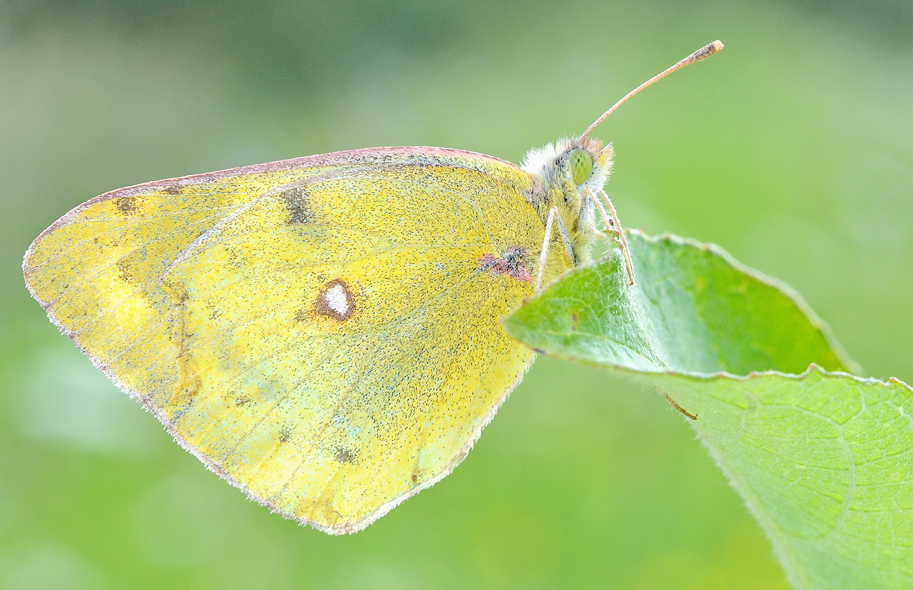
703	52
708	50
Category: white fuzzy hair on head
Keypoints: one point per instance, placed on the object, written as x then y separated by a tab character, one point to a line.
540	162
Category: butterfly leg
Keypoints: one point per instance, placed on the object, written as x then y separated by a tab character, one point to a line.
610	219
549	224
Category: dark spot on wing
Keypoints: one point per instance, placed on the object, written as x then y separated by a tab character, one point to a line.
297	202
285	434
513	264
128	205
343	455
242	401
123	271
417	474
172	189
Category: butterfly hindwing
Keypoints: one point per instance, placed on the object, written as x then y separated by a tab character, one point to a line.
342	345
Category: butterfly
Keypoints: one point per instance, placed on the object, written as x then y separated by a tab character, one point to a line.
324	332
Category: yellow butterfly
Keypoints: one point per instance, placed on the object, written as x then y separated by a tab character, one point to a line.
324	332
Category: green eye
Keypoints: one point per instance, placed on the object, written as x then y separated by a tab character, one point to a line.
581	165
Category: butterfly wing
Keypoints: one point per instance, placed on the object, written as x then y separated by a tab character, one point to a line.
332	343
96	270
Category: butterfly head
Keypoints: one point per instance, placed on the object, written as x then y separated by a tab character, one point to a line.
581	161
568	175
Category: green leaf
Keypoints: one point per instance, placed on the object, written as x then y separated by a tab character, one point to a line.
822	458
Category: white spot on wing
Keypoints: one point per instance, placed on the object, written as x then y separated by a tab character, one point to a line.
335	301
335	298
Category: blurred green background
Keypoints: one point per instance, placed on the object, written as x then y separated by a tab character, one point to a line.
793	149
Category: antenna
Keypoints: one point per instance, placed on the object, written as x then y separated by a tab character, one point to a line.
702	53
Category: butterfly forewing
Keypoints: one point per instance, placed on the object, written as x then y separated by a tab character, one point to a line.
96	271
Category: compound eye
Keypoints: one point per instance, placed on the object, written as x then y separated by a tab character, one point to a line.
581	165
